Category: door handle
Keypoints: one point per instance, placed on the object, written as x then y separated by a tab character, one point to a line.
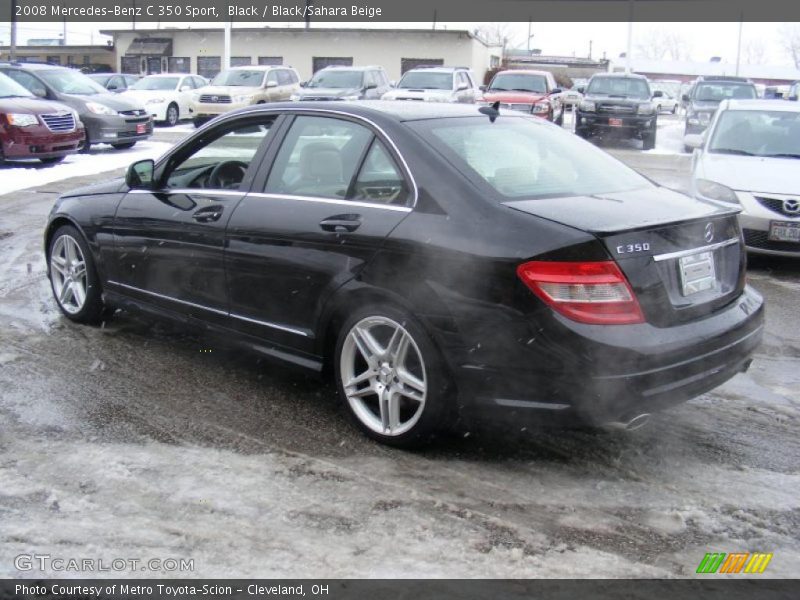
341	223
208	214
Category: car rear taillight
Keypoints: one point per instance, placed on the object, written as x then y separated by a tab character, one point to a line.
587	292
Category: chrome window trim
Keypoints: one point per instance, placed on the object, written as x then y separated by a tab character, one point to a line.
208	308
190	191
324	200
682	253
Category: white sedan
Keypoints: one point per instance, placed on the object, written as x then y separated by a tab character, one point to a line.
166	96
750	157
664	102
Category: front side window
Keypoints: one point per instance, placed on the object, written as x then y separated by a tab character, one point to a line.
521	158
757	133
222	163
319	157
620	87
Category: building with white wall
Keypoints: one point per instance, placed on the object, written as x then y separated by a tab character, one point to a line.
307	50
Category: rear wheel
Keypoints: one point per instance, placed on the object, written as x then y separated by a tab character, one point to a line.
560	120
198	122
390	376
173	115
649	140
51	160
584	133
73	277
674	108
124	146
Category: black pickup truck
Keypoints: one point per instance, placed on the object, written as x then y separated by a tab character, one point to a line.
618	104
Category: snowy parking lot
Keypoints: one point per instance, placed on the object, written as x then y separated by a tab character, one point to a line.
138	440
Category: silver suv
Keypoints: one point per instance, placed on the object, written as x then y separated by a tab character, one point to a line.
436	84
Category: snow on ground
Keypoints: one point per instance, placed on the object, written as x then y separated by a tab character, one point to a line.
669	138
23	175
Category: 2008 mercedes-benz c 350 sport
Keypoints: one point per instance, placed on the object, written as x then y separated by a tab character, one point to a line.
441	262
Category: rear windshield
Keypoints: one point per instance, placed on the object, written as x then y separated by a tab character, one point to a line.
336	79
522	157
239	78
425	80
11	89
717	91
622	87
518	82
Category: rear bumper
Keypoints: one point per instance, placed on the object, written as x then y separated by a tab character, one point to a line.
39	142
598	374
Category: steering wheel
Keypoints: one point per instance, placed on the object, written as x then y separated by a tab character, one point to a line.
227	174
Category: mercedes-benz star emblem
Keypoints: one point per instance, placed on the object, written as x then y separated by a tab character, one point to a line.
791	206
708	233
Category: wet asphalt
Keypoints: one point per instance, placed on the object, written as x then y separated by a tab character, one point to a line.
137	439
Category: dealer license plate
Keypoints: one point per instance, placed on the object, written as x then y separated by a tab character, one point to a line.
615	122
780	231
141	128
697	273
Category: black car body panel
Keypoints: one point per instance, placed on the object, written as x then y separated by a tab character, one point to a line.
266	273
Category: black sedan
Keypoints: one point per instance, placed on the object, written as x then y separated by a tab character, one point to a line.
440	262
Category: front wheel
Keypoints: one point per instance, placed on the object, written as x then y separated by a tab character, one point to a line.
560	120
674	109
51	160
173	116
649	141
390	376
73	277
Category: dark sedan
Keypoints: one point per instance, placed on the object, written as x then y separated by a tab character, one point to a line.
440	261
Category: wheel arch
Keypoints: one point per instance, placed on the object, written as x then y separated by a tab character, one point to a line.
59	221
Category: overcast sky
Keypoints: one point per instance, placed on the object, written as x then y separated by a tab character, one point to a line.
702	40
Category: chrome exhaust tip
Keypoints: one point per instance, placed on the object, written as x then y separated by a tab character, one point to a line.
633	424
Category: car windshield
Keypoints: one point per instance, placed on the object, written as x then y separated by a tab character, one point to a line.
426	80
67	81
719	91
336	79
101	79
521	157
519	82
156	83
11	89
757	133
240	78
623	87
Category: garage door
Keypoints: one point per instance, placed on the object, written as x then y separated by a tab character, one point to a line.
320	62
407	64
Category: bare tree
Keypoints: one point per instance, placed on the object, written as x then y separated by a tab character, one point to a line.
754	52
790	40
660	44
497	34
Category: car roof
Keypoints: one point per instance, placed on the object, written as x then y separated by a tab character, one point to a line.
37	66
772	105
394	110
170	75
440	69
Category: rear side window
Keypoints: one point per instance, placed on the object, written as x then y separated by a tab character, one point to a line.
379	179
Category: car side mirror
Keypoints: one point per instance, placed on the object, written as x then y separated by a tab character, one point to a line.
141	174
112	87
303	83
371	86
186	88
482	88
581	89
793	98
685	97
272	84
392	83
39	92
555	91
658	94
693	140
461	87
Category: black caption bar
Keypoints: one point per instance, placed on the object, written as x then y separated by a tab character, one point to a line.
388	589
331	11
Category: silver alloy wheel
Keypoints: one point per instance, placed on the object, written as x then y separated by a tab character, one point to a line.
383	375
68	274
172	115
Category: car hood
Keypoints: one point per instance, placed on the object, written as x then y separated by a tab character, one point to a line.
620	211
513	97
332	92
228	90
114	101
31	105
751	173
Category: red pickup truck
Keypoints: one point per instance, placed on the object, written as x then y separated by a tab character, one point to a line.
527	91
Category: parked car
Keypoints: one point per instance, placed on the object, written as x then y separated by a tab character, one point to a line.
167	97
534	92
706	95
570	98
114	82
437	260
750	159
794	92
664	102
33	128
345	83
436	84
243	86
618	104
107	118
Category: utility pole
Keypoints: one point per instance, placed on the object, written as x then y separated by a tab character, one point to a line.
630	38
12	50
590	49
528	45
739	45
226	54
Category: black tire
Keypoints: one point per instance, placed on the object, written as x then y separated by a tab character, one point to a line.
93	310
87	145
688	149
560	120
438	396
649	141
199	122
124	146
583	133
674	109
53	160
658	109
173	115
